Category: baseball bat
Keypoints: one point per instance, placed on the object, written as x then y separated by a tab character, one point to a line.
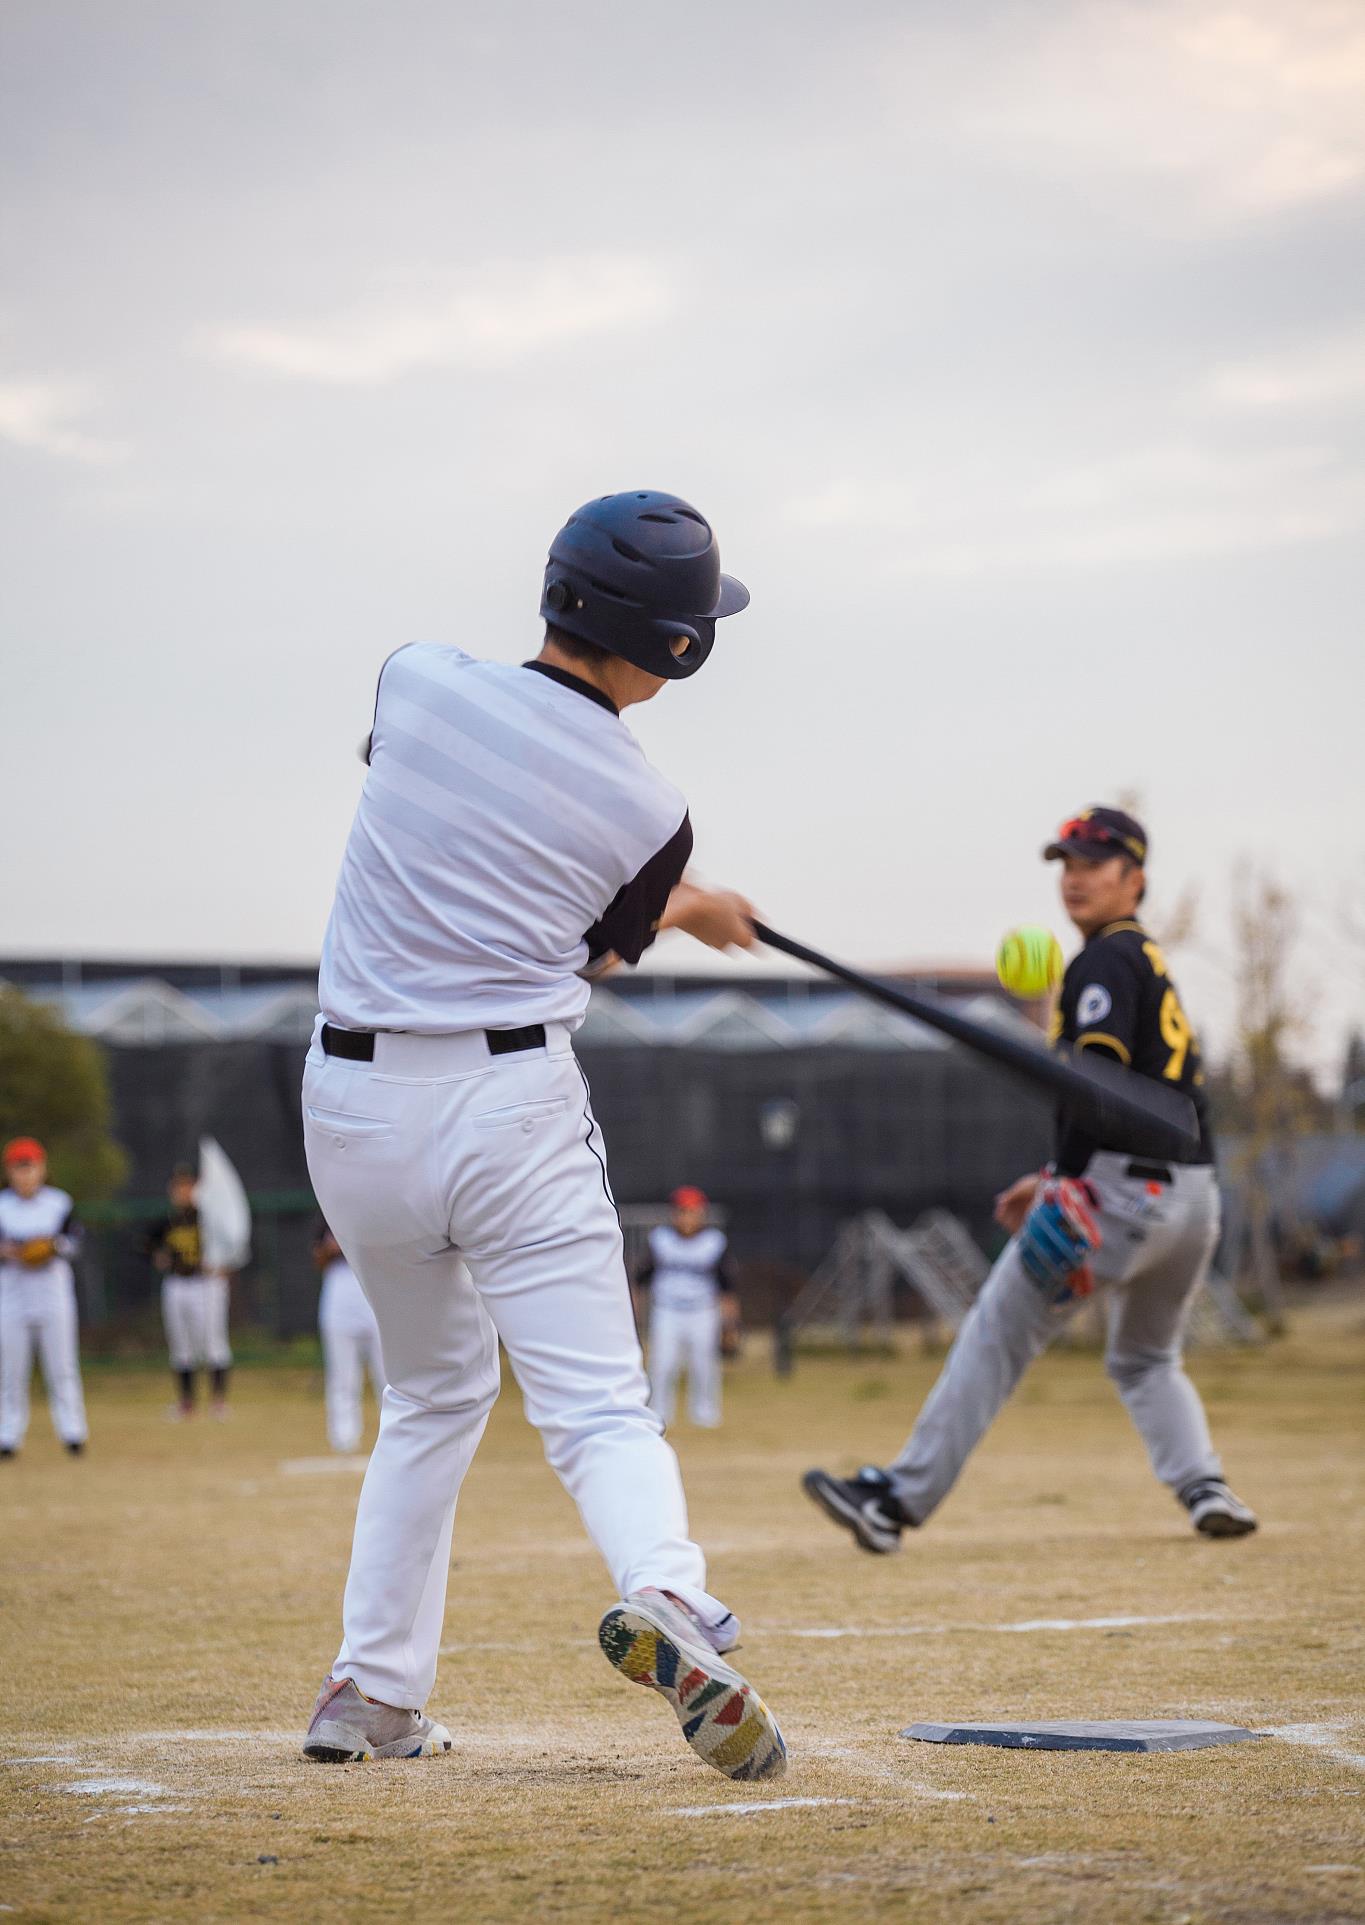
1146	1117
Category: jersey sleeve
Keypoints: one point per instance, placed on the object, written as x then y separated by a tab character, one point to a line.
644	1273
1106	1008
630	921
69	1236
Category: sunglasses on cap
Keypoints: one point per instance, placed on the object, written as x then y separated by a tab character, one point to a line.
1083	828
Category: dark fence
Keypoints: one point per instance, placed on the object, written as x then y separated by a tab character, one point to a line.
790	1142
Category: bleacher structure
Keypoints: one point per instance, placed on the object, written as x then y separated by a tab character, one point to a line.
853	1290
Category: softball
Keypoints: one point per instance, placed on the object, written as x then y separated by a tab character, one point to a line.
1029	961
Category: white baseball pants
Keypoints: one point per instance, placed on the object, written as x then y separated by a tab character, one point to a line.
686	1340
38	1308
349	1349
195	1313
436	1152
1158	1243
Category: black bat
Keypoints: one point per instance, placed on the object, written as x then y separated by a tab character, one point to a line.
1148	1118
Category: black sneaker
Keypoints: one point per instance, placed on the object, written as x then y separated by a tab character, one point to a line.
865	1504
8	1450
1216	1511
76	1448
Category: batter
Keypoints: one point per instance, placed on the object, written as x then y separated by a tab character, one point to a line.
511	839
1147	1230
39	1236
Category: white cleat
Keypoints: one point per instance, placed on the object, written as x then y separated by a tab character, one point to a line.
348	1728
1217	1511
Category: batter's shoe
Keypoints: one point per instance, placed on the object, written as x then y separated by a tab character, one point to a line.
653	1640
1216	1511
348	1727
866	1505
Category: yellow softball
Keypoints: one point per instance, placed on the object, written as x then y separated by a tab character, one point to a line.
1029	961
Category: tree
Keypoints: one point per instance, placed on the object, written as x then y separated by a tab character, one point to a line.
55	1085
1276	1097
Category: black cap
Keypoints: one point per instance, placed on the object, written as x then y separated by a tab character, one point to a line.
1097	833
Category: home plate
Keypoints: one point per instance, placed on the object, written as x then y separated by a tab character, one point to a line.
1085	1734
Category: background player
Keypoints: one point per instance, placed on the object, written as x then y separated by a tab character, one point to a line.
692	1305
1151	1228
510	835
194	1302
350	1343
39	1236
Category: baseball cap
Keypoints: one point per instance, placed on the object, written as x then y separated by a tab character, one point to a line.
688	1198
1097	833
24	1149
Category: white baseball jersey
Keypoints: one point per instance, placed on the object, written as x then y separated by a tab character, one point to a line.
509	832
687	1271
38	1307
46	1214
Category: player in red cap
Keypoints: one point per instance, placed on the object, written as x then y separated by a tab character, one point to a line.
693	1308
38	1237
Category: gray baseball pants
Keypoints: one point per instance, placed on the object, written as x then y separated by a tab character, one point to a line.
1159	1240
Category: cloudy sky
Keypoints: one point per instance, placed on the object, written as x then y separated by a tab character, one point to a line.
1017	352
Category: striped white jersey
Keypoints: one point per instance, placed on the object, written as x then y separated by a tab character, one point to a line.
686	1273
510	830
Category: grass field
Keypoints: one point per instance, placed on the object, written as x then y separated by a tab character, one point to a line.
171	1601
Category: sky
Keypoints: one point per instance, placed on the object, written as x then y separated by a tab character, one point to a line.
1015	351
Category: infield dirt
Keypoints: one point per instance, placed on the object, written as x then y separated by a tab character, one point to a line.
171	1601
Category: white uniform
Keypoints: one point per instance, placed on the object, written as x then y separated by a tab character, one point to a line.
350	1347
510	830
685	1283
38	1307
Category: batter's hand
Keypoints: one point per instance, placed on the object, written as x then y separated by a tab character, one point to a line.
718	917
1013	1205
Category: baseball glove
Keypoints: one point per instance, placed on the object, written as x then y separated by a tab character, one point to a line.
34	1252
1059	1237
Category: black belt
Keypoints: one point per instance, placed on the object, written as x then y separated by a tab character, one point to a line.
357	1045
1150	1172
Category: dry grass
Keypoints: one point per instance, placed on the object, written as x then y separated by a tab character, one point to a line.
170	1603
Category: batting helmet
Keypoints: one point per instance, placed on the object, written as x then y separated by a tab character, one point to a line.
639	574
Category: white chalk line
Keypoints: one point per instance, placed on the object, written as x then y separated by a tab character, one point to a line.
766	1804
338	1466
1321	1737
830	1632
114	1788
1023	1625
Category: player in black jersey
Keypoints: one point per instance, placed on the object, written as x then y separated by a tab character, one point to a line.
194	1300
1145	1229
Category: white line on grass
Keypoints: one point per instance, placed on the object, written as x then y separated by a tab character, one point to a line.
1321	1737
948	1630
114	1787
322	1466
745	1811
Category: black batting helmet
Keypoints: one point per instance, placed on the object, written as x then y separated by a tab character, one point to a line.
639	574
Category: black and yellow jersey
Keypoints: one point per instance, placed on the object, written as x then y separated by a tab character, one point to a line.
178	1236
1118	997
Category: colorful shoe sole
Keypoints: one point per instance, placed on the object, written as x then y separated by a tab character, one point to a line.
723	1719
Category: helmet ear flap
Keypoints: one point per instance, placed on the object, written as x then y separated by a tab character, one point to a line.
689	644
